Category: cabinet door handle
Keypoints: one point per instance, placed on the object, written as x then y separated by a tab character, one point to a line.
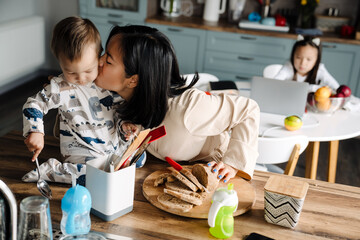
329	46
245	58
115	23
115	15
174	30
248	38
242	78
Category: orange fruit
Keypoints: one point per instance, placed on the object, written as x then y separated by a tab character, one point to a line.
323	92
324	104
320	99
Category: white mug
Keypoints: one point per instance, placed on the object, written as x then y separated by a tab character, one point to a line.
213	9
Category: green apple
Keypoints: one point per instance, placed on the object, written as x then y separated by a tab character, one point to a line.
293	123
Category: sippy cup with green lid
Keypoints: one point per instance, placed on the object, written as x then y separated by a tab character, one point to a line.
75	206
220	219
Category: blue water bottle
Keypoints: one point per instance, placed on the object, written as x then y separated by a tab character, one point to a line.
75	206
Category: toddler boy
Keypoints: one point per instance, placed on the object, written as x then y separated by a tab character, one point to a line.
86	112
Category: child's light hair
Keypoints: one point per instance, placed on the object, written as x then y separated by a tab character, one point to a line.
71	34
308	41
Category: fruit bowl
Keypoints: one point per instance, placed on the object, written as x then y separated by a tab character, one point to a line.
325	105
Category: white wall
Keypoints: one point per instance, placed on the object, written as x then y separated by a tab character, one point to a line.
52	10
23	37
14	9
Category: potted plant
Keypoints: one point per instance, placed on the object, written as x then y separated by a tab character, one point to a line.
307	13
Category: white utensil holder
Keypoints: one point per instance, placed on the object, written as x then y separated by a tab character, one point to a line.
112	194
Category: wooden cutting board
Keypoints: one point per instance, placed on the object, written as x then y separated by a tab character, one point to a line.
246	194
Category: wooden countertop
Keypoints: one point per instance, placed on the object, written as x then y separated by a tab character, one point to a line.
224	26
330	210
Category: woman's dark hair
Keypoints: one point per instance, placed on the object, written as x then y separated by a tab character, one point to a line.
149	53
311	77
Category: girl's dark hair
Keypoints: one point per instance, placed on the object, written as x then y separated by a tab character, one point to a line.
311	77
149	53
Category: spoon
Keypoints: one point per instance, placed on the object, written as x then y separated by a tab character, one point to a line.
42	185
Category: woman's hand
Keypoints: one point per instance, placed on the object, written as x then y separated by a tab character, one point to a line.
225	172
35	143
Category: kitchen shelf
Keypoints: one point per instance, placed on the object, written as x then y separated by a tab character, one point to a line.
223	26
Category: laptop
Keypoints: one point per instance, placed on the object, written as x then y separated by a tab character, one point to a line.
279	96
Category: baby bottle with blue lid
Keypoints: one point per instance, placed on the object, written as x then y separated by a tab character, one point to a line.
220	219
75	206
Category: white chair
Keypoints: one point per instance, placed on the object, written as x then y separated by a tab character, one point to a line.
273	150
270	71
203	82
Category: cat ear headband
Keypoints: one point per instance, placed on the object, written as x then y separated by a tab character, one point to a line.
316	41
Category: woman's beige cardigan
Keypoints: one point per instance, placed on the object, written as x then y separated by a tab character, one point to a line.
202	127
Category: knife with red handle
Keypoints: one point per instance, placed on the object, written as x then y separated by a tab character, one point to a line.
186	173
174	164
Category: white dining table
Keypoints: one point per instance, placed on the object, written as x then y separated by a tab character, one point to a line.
318	127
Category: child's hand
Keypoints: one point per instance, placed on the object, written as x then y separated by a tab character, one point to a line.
35	144
129	130
225	172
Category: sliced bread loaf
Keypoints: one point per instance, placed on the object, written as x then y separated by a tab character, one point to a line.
193	179
180	187
165	177
175	203
177	186
205	176
171	178
186	195
161	179
183	179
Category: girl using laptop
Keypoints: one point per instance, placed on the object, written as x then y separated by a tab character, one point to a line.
305	66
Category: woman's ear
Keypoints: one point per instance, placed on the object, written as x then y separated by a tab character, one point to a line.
101	60
134	80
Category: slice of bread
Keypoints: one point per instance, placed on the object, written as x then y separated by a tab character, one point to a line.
205	176
186	195
193	179
180	187
162	178
174	203
177	186
171	178
183	179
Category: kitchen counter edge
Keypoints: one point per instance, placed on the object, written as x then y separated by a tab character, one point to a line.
224	26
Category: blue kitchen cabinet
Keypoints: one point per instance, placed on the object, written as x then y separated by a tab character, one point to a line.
106	14
343	63
357	90
118	9
239	57
189	46
243	66
104	25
